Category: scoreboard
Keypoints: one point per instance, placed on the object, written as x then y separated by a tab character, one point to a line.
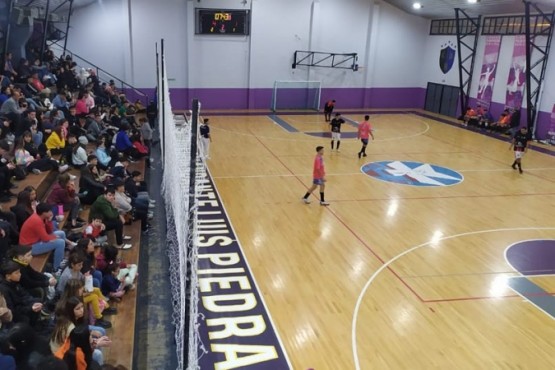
222	22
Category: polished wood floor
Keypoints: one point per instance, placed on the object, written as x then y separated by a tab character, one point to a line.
389	276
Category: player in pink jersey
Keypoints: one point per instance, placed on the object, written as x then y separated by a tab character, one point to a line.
364	133
318	177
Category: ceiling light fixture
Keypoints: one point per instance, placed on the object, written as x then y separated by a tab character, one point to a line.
473	1
417	6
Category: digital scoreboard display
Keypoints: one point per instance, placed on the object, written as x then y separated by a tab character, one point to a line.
222	22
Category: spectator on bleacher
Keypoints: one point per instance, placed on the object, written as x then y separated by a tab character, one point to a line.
72	116
38	85
24	307
56	142
77	351
104	208
5	93
27	347
120	168
78	153
11	107
95	127
8	222
76	288
65	193
31	164
67	317
136	188
37	151
89	98
23	209
123	143
9	70
85	247
81	104
29	123
38	232
89	184
6	168
126	205
113	287
102	154
5	126
79	129
60	102
5	314
95	232
24	69
36	283
99	174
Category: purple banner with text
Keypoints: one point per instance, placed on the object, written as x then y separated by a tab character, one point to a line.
551	131
489	69
517	77
236	330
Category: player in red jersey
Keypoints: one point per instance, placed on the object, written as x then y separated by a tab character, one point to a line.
364	133
318	177
328	109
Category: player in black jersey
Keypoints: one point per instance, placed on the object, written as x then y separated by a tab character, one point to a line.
335	125
520	146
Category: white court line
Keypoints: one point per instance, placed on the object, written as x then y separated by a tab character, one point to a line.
410	250
320	138
361	173
284	175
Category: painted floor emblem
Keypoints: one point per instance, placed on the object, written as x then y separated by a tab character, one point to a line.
412	173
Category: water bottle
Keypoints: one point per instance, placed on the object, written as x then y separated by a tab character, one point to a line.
60	209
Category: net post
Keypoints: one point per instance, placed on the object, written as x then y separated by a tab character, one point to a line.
163	110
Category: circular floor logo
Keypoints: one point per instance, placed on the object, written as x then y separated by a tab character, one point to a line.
412	173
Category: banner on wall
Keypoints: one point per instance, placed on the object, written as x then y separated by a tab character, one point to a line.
517	77
489	69
551	131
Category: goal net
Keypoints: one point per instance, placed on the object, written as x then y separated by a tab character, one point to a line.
296	95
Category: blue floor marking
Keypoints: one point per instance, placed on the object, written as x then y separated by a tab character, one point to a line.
282	123
533	293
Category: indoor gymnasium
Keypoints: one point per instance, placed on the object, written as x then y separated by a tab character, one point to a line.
355	184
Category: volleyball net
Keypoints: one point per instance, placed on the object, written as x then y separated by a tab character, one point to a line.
183	175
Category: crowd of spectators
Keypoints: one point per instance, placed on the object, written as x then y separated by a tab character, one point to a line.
56	116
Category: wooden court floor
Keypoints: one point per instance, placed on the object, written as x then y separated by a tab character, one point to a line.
389	276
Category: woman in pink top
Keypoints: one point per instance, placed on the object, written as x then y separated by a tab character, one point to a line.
81	104
318	177
364	133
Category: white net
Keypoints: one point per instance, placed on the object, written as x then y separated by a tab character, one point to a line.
296	95
182	235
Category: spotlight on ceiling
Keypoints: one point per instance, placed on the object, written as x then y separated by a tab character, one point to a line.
417	6
473	1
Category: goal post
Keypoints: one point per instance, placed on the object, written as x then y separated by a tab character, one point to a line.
301	95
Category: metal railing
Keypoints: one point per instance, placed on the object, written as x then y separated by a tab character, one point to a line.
99	71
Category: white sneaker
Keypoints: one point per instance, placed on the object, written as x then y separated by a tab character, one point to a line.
324	203
124	246
72	177
306	201
126	237
152	201
338	151
36	171
63	168
150	205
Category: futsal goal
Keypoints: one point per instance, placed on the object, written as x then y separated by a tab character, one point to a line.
297	95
